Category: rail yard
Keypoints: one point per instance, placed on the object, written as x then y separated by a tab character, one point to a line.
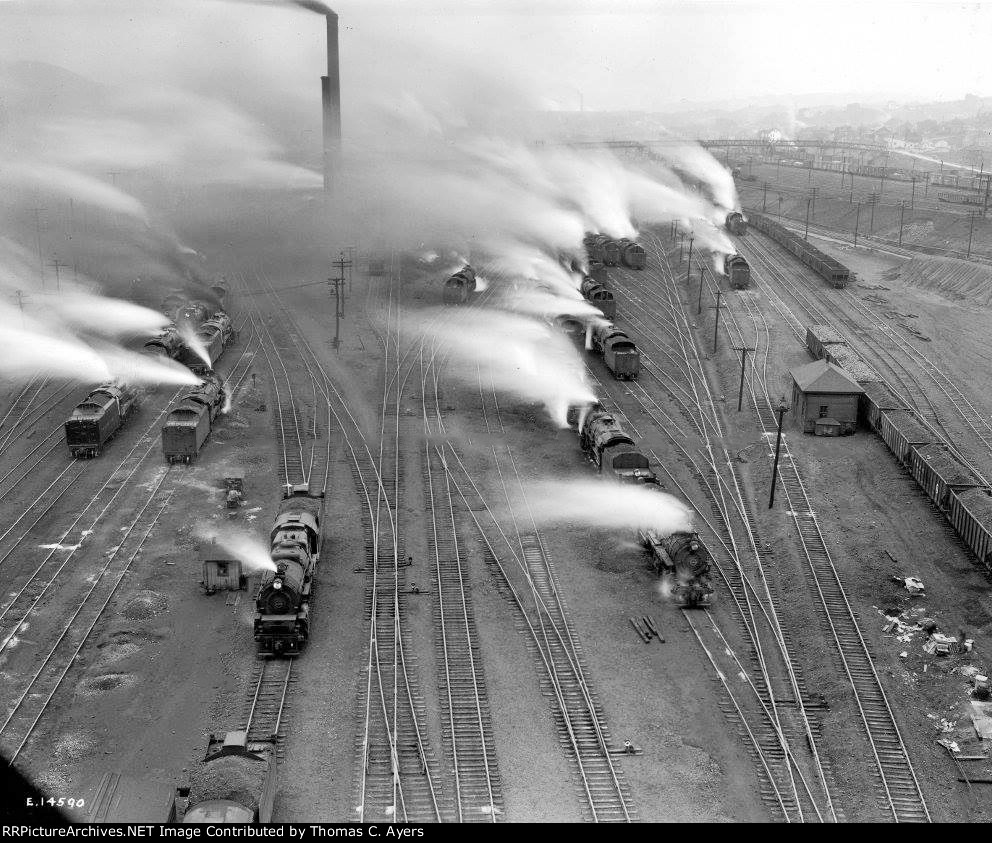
462	473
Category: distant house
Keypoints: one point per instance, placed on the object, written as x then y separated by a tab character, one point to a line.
825	399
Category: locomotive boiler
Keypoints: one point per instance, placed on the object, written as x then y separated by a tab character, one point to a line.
459	286
683	560
282	605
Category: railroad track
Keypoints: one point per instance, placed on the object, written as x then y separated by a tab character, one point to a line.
788	791
264	714
902	798
27	710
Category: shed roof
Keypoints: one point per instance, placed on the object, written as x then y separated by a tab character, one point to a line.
821	376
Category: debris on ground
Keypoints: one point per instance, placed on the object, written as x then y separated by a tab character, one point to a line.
914	585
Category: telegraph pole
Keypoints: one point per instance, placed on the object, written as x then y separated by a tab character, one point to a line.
809	199
699	304
688	267
873	199
740	393
764	197
857	222
716	323
782	409
971	231
37	231
20	304
57	264
902	213
338	283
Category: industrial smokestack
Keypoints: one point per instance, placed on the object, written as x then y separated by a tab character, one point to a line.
330	88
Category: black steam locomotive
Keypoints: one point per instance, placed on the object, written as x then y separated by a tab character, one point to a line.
282	605
459	286
189	424
98	417
680	558
736	223
738	271
601	248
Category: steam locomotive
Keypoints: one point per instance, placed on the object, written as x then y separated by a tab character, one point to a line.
187	426
619	352
97	418
214	335
681	558
738	271
282	605
600	295
459	286
602	248
736	223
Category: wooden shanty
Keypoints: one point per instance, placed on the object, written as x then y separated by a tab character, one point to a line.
825	399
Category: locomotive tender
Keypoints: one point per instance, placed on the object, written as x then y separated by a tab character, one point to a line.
619	352
681	558
738	271
600	295
98	417
282	605
187	426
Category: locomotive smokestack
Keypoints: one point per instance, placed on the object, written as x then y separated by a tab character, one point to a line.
330	86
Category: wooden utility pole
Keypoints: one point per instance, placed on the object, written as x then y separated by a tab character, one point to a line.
782	409
873	200
857	222
740	393
688	267
699	303
37	231
902	213
764	197
971	231
338	283
716	321
57	265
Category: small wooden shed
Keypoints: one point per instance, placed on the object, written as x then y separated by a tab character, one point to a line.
825	399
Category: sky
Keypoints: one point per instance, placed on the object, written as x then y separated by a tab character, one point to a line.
614	55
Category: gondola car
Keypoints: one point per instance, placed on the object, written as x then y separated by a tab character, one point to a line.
738	271
683	559
282	605
235	783
459	286
97	418
187	426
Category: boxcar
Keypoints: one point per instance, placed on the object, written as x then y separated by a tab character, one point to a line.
970	513
900	430
938	471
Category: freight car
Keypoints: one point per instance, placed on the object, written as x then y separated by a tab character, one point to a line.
600	296
836	274
235	783
619	352
97	418
683	560
459	286
737	269
736	223
282	605
961	198
187	427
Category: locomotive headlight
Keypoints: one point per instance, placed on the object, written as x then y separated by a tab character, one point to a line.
277	584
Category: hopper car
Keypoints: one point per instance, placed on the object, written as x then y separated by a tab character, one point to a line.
835	273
